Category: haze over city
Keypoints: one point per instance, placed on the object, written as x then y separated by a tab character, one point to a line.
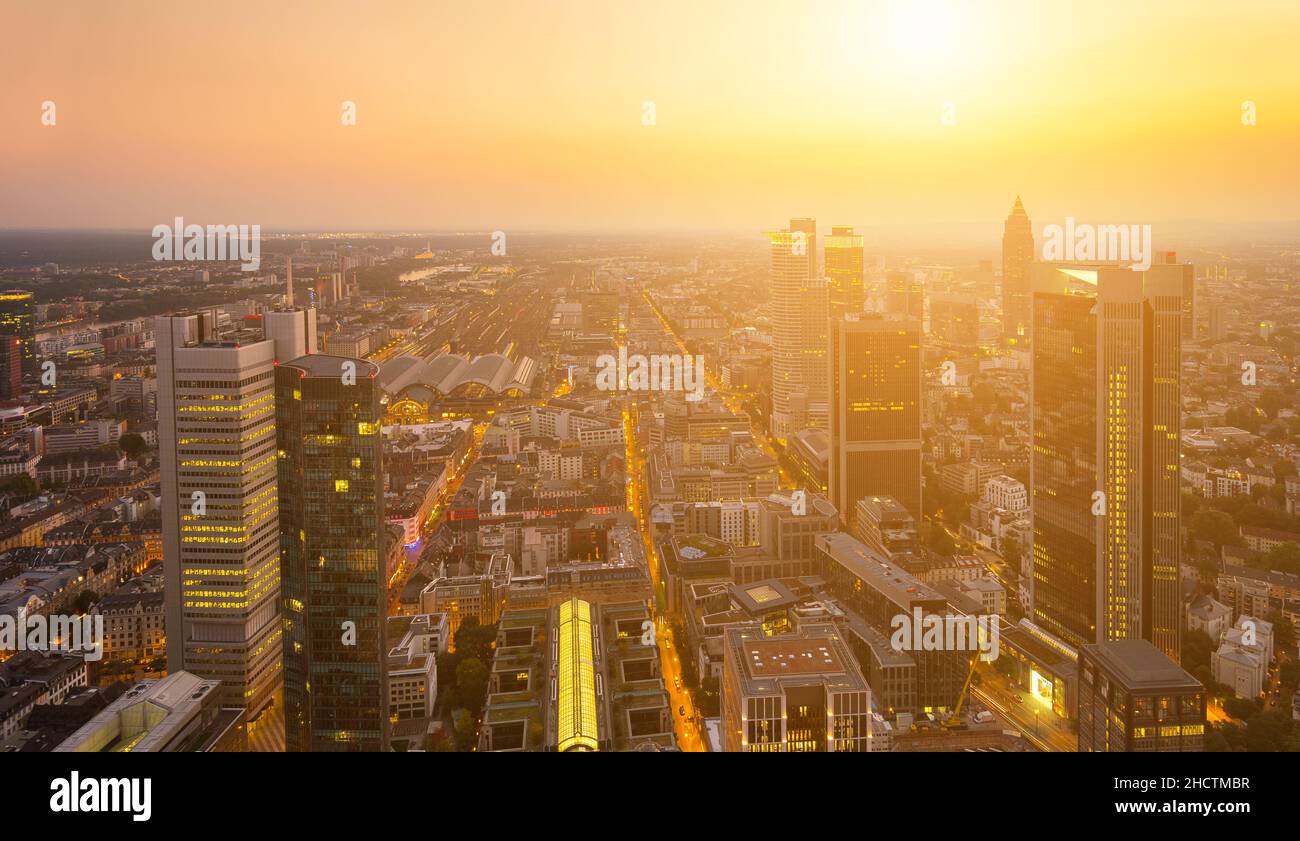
529	116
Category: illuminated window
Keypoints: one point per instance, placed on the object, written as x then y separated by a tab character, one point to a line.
341	485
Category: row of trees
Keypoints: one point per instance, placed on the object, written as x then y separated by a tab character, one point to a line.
463	675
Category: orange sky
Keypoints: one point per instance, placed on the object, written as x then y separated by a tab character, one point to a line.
528	115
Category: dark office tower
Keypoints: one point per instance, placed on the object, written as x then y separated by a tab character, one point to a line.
328	414
1104	463
17	319
875	423
844	272
904	295
11	366
1017	254
1189	299
1132	698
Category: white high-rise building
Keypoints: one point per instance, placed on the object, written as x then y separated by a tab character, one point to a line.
799	323
221	546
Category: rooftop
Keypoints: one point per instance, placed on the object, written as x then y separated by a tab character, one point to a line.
1140	664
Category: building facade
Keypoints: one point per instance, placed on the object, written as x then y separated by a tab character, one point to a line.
221	558
1105	395
333	584
875	430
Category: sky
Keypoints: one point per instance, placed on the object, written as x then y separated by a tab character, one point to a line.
532	115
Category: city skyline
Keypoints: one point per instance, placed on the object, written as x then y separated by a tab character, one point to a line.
884	376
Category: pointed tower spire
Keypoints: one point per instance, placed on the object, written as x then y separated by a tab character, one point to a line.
288	296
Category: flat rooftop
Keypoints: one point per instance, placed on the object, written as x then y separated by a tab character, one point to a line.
325	365
900	586
1140	664
775	657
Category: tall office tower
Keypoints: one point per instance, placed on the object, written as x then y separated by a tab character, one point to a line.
905	294
816	320
1105	425
16	318
221	553
1217	328
799	301
1189	299
875	381
328	415
11	366
1017	254
844	272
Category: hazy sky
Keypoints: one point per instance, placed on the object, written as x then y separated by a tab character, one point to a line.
501	115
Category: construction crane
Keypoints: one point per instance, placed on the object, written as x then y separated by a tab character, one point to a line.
955	718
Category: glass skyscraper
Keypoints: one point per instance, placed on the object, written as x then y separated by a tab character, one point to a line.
16	318
875	378
844	272
334	594
1017	254
1104	461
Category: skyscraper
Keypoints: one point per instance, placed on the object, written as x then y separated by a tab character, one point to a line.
1104	462
799	317
1190	313
11	366
1017	254
328	415
216	434
844	272
16	318
875	424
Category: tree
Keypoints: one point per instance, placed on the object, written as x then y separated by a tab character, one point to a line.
86	599
447	694
474	640
1242	708
1267	731
1289	676
1271	401
1197	647
1215	526
466	730
1284	557
132	444
21	484
1011	550
1283	631
938	539
471	683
